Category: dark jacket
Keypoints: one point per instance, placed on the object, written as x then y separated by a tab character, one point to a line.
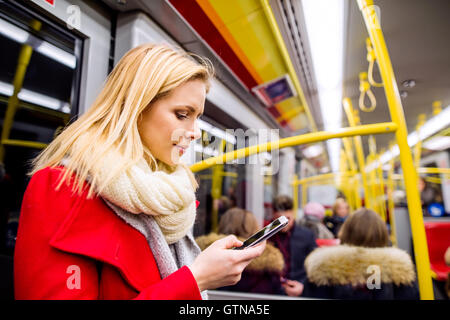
347	272
334	224
303	242
262	275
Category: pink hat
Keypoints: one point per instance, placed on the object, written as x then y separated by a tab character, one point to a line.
314	209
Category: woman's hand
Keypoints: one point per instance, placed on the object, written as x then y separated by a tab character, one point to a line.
219	266
293	288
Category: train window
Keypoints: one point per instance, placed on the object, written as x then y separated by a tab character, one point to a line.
39	81
222	186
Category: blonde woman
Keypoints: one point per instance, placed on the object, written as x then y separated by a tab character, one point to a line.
341	210
109	209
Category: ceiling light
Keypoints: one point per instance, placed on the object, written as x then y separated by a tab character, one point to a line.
325	169
19	35
325	27
403	94
438	143
409	83
313	151
12	32
57	54
6	89
39	99
431	127
205	126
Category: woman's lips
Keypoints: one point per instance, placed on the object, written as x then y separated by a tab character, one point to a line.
181	149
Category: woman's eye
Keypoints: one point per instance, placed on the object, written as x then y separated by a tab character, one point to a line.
181	116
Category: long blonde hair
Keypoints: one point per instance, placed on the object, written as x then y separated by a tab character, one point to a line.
145	74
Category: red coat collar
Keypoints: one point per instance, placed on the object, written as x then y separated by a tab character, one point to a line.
94	230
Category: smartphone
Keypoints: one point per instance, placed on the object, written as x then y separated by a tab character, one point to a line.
265	233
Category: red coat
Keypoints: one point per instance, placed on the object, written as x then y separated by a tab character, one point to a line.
63	237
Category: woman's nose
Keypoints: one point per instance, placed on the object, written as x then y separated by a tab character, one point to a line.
195	133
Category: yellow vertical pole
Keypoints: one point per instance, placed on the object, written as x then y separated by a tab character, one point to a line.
287	60
216	190
409	172
352	116
304	194
381	193
437	107
418	147
344	180
391	204
375	205
351	163
371	181
295	194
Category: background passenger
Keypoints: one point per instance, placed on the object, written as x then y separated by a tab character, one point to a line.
262	275
362	267
295	243
341	210
314	213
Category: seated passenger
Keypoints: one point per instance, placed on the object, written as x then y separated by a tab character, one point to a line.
262	275
363	267
341	210
295	243
314	213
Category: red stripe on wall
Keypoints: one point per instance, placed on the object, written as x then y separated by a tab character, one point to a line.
200	22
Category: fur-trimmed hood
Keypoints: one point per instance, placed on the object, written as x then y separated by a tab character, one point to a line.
271	260
342	265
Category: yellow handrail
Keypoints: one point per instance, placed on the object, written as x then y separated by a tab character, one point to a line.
23	143
364	89
353	121
324	176
287	60
378	128
371	58
396	111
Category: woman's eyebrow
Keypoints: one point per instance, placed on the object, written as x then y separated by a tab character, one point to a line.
192	109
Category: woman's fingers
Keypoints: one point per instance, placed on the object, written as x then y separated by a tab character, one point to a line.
247	255
219	266
229	242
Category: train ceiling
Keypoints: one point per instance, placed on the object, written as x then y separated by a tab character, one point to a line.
237	37
417	36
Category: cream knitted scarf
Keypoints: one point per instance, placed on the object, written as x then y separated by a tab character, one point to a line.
167	196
